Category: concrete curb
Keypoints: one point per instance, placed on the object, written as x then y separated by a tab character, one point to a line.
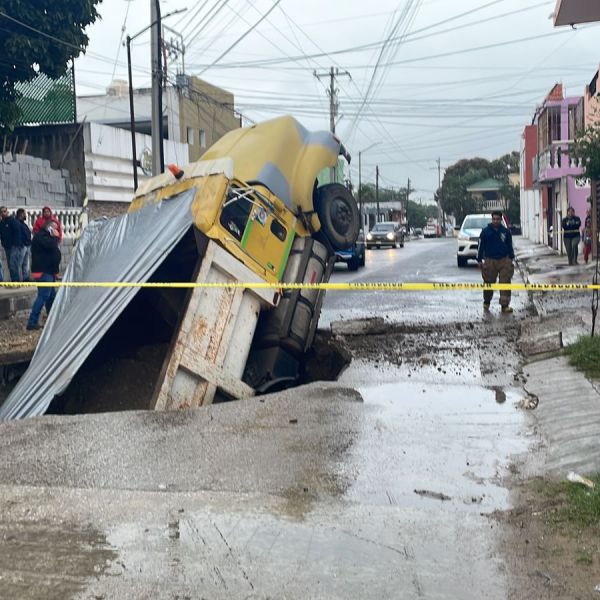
540	311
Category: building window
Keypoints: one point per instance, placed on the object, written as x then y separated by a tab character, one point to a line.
190	136
202	138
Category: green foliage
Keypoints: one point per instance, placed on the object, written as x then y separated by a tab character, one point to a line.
587	149
584	355
574	503
417	214
26	52
511	195
458	177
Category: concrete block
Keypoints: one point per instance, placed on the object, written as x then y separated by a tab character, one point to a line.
541	343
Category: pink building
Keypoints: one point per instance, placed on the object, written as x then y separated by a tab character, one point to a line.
555	172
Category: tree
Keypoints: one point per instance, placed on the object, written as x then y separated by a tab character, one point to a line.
418	214
457	201
454	197
587	149
38	36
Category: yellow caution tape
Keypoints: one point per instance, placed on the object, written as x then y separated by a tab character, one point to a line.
353	287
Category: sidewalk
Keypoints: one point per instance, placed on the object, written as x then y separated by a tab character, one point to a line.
568	413
541	264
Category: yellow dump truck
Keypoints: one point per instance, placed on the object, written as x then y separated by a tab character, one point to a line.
249	211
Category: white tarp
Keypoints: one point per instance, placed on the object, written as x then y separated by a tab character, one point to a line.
128	248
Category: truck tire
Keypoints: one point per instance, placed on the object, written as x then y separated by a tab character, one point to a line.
338	213
353	264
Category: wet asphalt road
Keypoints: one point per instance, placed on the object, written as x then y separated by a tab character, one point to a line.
318	492
423	260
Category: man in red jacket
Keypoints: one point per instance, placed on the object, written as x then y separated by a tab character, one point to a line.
47	215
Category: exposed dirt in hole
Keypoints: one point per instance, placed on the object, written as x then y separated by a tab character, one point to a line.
16	343
325	360
548	559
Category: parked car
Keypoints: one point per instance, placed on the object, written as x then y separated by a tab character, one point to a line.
387	233
468	236
354	257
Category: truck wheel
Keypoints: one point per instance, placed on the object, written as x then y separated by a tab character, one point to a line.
338	214
461	261
353	264
361	261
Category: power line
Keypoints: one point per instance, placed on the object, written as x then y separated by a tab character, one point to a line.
245	34
407	39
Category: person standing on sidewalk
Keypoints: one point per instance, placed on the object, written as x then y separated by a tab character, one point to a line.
45	263
571	225
20	252
587	237
9	232
495	259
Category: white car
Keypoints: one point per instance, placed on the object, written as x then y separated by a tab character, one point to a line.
468	237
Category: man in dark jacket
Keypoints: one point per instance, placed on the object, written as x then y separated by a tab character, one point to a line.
571	225
20	251
495	259
8	228
45	263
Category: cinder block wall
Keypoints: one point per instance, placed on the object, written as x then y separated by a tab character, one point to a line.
29	181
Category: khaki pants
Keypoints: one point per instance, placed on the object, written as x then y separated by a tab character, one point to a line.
501	269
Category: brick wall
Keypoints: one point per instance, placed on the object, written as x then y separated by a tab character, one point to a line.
29	181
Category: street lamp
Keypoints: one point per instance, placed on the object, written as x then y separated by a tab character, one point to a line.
360	204
129	39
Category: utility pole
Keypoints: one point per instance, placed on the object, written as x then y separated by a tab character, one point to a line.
377	192
407	199
158	160
334	104
441	216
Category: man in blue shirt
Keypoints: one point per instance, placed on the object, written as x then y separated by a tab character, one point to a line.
495	259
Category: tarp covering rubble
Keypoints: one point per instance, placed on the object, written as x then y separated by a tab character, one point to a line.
128	248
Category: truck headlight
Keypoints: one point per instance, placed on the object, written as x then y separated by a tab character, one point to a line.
463	237
390	236
369	236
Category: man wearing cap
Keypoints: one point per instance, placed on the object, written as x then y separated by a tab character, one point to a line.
495	259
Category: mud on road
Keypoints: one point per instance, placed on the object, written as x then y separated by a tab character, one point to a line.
481	352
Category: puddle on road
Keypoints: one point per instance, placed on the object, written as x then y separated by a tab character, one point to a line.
450	441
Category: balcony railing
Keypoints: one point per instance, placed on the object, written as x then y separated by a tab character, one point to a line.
488	205
557	156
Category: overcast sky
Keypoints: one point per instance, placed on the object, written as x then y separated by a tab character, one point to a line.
430	91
